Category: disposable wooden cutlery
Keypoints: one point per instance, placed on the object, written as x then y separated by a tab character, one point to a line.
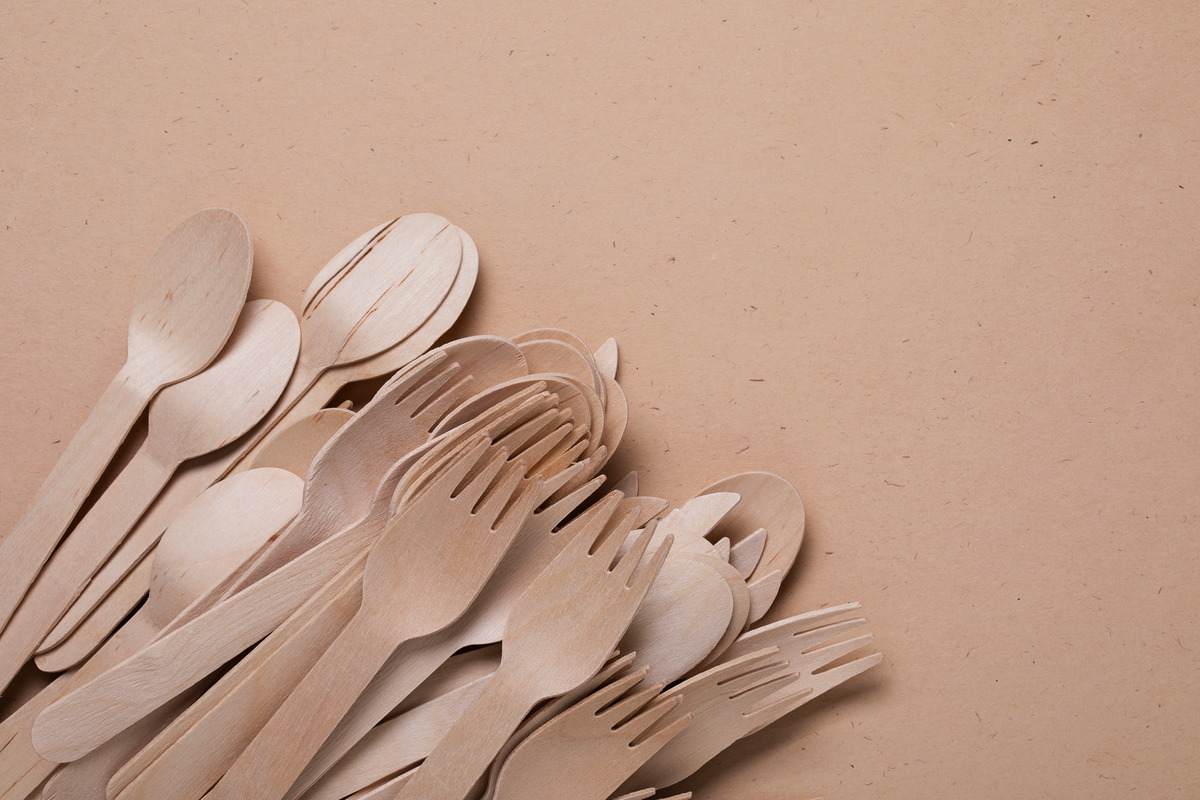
187	419
559	633
213	535
478	522
590	749
186	303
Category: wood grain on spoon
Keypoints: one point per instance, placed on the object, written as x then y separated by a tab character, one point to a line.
186	304
187	419
194	478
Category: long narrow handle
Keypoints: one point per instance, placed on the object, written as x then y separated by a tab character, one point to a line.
90	716
22	768
463	755
407	669
27	546
204	741
266	769
78	557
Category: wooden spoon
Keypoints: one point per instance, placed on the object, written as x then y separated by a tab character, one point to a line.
400	354
97	614
187	302
368	302
215	533
293	448
187	419
768	501
741	602
196	477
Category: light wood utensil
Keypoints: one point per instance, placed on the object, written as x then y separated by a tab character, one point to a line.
590	749
740	593
535	547
294	447
559	634
186	304
763	592
214	534
744	556
194	478
88	635
770	502
554	356
403	740
368	301
575	343
685	615
714	699
439	576
606	358
398	355
241	703
187	419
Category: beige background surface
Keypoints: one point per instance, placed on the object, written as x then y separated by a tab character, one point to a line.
935	263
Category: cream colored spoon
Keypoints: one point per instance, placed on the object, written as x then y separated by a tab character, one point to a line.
568	338
369	301
187	302
606	358
196	477
770	502
187	419
209	539
400	354
292	449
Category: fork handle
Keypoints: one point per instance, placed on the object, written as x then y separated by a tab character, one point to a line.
267	768
463	755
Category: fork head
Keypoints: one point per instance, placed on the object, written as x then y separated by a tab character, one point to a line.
573	614
466	516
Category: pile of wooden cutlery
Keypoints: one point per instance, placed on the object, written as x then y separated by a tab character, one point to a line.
436	595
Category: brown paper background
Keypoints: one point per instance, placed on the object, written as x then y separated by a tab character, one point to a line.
935	263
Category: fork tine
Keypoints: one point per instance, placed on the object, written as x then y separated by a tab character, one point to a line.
642	714
556	512
598	701
805	641
657	740
622	711
754	676
611	539
546	439
427	387
766	687
810	690
440	405
478	480
514	498
589	526
531	431
830	653
640	581
595	462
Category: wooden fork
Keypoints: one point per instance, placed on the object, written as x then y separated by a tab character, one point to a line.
559	633
433	559
590	749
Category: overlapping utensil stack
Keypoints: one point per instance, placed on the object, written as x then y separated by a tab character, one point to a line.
438	594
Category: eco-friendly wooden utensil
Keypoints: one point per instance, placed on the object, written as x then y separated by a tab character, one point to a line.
241	703
744	556
684	616
214	534
646	794
606	358
187	419
371	300
590	749
438	576
404	739
711	698
559	633
186	303
534	548
741	602
762	594
770	502
575	343
88	634
393	358
294	447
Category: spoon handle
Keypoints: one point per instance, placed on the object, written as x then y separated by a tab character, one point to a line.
29	544
78	557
